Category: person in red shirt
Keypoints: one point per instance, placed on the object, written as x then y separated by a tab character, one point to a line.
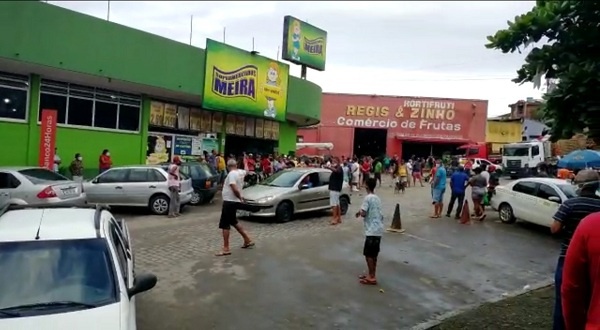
580	289
365	171
266	166
250	163
104	162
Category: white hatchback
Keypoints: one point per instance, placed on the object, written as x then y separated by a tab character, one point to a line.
534	200
67	268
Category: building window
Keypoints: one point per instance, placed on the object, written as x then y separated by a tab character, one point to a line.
13	96
91	107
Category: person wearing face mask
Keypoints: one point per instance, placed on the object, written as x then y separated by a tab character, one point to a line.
566	220
76	168
105	162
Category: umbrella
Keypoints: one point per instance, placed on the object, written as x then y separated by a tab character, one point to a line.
580	159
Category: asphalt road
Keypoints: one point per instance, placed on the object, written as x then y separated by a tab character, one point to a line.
303	274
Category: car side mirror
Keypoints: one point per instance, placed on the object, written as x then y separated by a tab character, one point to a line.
554	199
143	283
304	186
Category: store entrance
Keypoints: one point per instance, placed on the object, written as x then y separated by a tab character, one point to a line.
369	142
237	145
424	149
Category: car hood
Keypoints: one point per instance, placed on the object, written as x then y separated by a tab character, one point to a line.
101	318
259	191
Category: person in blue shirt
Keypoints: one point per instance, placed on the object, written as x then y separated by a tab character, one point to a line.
439	188
458	183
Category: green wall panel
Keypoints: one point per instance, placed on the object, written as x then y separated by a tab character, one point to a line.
287	137
56	37
14	144
304	99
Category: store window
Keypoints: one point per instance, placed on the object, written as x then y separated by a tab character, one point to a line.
13	96
90	107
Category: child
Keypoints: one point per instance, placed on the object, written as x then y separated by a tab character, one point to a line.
373	224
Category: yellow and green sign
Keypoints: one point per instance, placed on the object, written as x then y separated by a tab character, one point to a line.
245	83
303	43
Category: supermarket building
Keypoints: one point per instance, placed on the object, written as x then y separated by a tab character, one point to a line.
125	90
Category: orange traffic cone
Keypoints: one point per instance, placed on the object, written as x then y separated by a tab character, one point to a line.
396	226
465	216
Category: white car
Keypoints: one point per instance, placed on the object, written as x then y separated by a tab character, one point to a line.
534	200
480	161
67	268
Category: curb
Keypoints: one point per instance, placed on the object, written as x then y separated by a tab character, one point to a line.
441	318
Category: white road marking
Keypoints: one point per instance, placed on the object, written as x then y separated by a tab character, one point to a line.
428	241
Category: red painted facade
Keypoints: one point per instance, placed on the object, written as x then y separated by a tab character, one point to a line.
406	118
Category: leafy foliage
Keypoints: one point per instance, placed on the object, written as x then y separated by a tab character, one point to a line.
570	55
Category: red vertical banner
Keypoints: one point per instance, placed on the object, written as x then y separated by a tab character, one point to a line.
47	138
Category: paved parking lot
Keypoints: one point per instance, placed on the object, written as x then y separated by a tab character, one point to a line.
303	274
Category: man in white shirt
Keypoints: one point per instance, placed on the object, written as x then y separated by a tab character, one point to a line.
232	198
485	173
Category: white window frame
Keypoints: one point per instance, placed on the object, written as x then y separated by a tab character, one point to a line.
18	79
130	99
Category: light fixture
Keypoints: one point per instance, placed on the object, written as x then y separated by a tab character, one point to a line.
7	100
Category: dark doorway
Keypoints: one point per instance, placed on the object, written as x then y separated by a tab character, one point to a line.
237	145
369	142
423	149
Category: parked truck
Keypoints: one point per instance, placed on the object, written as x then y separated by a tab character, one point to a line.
521	159
482	150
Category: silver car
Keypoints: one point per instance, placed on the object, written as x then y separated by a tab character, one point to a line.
140	186
293	191
39	186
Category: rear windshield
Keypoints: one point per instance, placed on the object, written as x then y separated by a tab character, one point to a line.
181	173
41	175
41	272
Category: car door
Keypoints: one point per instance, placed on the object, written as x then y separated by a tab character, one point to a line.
125	270
138	186
524	200
309	198
107	188
546	209
324	189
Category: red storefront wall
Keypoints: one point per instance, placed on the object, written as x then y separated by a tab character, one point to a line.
406	118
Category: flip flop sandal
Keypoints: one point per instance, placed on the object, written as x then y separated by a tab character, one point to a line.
249	245
367	282
482	217
362	277
222	254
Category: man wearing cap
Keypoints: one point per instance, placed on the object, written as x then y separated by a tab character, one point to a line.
232	198
566	220
174	184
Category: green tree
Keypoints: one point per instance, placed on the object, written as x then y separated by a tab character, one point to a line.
566	35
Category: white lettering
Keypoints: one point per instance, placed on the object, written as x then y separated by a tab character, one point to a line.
410	124
444	105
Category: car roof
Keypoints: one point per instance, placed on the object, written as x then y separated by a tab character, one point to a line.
53	224
308	169
20	168
137	166
543	180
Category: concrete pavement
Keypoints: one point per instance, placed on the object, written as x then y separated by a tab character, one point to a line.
303	274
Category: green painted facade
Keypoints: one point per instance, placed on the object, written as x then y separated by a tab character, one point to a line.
90	47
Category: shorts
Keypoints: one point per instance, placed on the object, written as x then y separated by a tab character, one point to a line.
403	179
438	195
228	215
372	246
416	175
354	178
334	198
378	176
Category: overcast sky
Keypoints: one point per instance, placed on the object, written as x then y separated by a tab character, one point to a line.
428	48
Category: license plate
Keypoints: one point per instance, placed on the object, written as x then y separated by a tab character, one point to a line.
71	191
513	172
243	213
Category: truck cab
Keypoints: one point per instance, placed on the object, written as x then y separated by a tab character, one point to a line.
521	159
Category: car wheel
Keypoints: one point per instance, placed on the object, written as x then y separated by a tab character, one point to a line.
506	213
344	204
284	212
197	198
159	204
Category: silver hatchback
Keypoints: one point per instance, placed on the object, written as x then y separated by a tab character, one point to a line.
293	191
139	186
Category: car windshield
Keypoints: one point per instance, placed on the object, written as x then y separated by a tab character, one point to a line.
202	170
516	151
284	179
41	175
568	190
43	273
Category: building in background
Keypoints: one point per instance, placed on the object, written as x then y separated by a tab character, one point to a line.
501	131
377	125
139	95
525	109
